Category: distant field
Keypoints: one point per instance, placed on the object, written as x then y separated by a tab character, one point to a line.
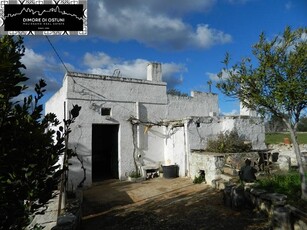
276	138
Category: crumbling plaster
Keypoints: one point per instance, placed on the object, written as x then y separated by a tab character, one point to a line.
201	129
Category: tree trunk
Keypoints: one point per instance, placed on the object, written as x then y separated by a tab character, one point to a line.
300	161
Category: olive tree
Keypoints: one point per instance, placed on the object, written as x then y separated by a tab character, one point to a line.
273	83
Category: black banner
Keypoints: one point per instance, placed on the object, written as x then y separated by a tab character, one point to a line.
45	17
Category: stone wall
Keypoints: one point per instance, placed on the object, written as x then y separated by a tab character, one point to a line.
272	205
198	104
211	163
219	166
202	129
287	150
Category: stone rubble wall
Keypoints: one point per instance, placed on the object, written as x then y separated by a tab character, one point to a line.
212	164
272	205
287	151
215	164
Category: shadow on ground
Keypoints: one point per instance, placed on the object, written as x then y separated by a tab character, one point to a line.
163	204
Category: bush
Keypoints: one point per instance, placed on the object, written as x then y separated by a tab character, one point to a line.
134	174
228	142
200	178
288	183
29	153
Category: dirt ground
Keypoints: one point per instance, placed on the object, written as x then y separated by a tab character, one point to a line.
162	203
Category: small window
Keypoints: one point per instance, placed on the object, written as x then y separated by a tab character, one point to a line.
105	111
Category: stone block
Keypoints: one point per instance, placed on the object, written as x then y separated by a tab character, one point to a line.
284	163
226	177
300	225
255	196
298	217
227	195
275	198
66	222
237	198
218	183
265	206
231	171
281	219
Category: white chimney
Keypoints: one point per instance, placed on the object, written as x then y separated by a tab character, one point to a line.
154	72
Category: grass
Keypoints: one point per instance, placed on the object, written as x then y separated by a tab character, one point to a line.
288	183
277	138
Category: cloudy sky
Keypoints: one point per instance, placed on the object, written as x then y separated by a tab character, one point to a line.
189	37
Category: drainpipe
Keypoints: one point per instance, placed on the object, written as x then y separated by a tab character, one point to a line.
136	142
186	146
138	136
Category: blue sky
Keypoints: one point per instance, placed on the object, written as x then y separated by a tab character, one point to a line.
189	37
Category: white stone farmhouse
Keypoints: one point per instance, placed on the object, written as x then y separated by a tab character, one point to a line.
123	119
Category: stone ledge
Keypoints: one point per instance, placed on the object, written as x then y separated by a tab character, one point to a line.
275	198
272	205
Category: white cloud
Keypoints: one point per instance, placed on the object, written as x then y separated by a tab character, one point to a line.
155	23
38	67
101	63
206	37
214	77
231	113
97	60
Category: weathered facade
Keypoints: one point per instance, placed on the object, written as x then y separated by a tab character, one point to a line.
123	119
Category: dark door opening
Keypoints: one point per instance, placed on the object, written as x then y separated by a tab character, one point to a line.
104	152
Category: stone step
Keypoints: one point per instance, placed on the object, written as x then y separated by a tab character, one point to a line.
227	177
231	171
219	183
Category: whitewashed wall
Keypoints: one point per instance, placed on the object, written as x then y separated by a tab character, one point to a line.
201	129
113	89
204	128
210	163
175	151
199	104
152	147
147	101
56	103
92	93
252	128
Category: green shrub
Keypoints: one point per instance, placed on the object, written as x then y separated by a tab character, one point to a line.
134	174
228	142
199	179
288	183
30	147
